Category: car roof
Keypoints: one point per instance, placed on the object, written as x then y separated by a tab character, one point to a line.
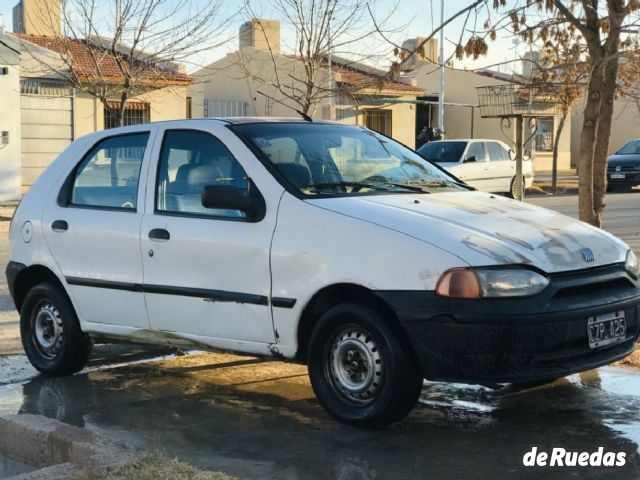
468	140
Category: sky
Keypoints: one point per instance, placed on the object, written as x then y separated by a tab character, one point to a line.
414	16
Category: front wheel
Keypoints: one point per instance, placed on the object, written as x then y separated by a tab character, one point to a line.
50	332
361	368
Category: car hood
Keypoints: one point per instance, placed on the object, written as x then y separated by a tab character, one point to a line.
484	229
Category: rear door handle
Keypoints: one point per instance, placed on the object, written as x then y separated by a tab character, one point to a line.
159	234
59	226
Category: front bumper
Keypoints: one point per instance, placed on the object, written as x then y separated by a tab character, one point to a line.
518	340
630	179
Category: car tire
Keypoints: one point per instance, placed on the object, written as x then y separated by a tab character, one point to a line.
512	189
51	335
361	368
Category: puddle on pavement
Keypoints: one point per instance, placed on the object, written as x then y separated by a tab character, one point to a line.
259	419
9	467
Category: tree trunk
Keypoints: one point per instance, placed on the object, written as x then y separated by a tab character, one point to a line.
560	127
588	140
605	118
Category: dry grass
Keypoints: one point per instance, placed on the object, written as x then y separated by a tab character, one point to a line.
154	467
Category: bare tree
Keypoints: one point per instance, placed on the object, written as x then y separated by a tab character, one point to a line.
323	29
114	50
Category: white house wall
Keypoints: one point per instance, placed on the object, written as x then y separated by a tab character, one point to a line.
10	178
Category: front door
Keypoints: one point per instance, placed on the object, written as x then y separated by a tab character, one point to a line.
93	231
206	272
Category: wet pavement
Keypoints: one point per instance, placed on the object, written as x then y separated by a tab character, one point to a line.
9	467
259	419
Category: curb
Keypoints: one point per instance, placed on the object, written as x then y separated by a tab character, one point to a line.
56	449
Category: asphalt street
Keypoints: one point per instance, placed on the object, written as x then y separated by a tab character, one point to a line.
259	418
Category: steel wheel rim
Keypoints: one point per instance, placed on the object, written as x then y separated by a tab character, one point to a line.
355	365
48	329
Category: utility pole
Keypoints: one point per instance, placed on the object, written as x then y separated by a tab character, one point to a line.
330	66
441	61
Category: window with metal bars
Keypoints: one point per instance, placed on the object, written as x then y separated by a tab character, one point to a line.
378	120
135	113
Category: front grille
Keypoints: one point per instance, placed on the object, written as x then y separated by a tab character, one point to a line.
624	168
594	288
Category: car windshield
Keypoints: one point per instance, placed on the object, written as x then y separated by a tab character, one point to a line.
322	159
442	151
631	148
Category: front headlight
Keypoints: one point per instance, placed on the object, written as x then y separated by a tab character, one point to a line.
631	265
490	283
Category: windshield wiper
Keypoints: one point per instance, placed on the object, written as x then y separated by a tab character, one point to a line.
443	183
357	186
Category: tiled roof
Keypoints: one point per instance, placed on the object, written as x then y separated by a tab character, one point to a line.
359	77
107	67
363	80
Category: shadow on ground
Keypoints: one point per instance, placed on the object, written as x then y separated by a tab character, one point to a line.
259	419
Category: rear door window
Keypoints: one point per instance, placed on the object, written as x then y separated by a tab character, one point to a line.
107	177
476	149
495	151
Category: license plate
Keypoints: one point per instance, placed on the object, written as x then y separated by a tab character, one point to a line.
618	175
606	329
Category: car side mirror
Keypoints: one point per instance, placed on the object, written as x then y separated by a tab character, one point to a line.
472	158
228	197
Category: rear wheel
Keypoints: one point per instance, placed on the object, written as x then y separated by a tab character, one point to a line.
50	332
513	191
360	367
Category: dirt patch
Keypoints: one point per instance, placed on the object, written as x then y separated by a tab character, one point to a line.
632	361
154	467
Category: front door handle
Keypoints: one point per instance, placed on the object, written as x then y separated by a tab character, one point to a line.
59	226
159	234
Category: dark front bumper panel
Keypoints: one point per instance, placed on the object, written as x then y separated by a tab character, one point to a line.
516	340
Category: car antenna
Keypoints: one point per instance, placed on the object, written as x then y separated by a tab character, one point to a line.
306	117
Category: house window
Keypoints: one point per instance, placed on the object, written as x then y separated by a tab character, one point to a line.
543	140
189	107
378	120
135	113
225	108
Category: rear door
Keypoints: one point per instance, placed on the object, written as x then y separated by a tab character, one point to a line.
207	272
93	231
476	172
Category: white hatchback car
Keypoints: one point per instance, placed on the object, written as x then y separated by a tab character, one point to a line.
487	165
316	242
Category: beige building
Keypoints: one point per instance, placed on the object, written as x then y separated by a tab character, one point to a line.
626	125
462	116
251	81
51	114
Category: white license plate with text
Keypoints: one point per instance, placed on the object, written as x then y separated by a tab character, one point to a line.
606	329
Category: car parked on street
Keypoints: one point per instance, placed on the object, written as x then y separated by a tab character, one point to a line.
316	242
487	165
623	167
